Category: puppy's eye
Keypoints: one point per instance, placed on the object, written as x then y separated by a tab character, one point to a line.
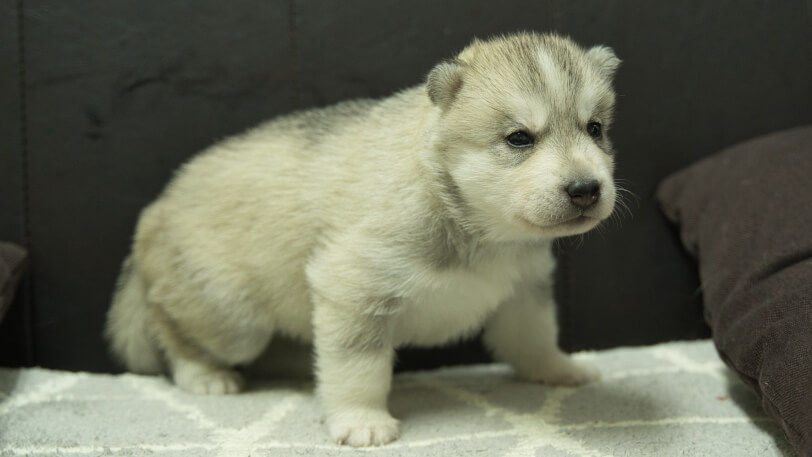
594	129
520	139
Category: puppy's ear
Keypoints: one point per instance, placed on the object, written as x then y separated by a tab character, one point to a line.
606	60
444	82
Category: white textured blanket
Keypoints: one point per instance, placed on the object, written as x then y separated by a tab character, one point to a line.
674	399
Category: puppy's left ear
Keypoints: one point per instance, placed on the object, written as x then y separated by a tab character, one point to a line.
444	82
606	60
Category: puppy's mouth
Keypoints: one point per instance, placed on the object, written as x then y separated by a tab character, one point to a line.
577	221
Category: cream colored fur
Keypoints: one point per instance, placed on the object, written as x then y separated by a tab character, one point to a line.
376	224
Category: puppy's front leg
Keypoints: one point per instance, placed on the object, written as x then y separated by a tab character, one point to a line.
354	356
524	333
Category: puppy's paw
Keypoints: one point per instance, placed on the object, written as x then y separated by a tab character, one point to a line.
363	427
566	372
213	382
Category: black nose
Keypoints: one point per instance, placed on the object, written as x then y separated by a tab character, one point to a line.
584	194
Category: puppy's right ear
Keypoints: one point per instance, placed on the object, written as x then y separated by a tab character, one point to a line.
606	60
444	82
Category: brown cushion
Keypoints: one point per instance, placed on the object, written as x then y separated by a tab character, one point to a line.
746	215
12	262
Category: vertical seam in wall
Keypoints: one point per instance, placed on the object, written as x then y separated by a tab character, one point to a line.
28	301
293	47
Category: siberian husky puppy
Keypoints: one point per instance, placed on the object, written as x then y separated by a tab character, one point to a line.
416	219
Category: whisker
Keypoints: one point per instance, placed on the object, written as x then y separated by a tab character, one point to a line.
623	201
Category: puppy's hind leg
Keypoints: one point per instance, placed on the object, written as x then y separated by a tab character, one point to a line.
201	377
202	349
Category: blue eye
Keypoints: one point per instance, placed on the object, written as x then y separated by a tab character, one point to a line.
520	139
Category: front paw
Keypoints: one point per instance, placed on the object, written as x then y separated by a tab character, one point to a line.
362	427
565	372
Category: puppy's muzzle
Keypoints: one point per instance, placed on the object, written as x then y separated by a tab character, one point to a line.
584	194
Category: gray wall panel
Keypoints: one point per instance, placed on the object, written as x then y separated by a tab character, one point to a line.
11	207
119	94
15	337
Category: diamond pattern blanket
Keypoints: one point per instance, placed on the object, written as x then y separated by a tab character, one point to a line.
673	399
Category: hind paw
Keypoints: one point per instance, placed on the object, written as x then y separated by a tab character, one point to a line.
203	380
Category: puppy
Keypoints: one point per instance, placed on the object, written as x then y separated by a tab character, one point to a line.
417	220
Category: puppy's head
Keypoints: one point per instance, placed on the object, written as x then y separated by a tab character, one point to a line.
522	134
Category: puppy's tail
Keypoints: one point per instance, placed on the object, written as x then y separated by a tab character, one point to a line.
131	337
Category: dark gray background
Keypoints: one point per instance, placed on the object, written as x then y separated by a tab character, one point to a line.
102	100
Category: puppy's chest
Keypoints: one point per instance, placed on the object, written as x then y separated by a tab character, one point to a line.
451	304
